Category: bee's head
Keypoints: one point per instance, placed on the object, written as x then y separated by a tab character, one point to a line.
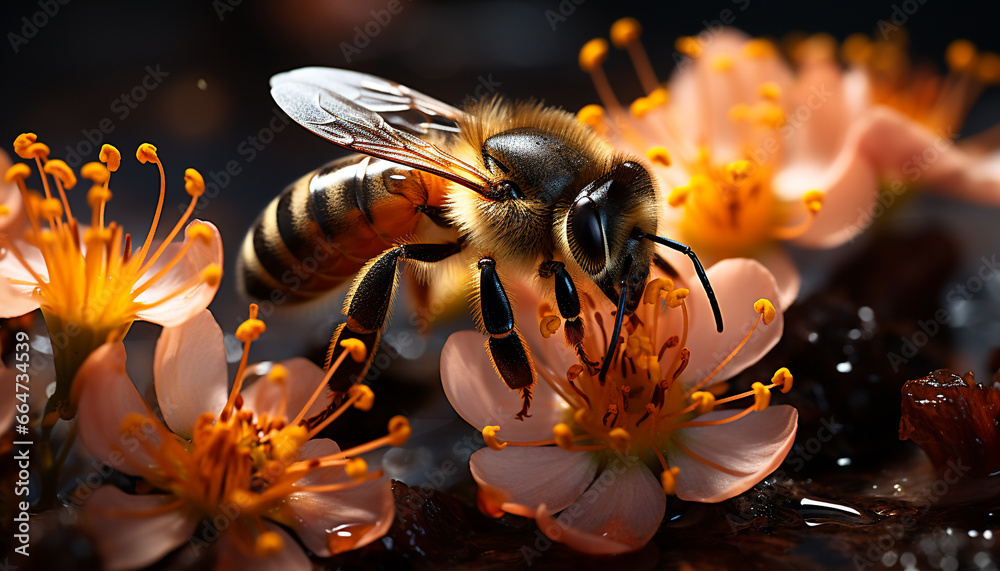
597	227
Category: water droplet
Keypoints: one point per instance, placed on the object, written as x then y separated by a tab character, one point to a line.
818	512
843	461
844	367
344	537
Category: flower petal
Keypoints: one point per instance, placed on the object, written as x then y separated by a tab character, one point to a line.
233	558
195	294
481	397
16	218
332	522
190	372
619	513
786	275
263	397
535	475
738	284
751	447
16	301
106	396
132	542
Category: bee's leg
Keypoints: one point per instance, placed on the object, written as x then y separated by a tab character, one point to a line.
568	301
507	350
369	305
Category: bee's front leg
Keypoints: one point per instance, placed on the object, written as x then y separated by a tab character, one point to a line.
568	301
507	351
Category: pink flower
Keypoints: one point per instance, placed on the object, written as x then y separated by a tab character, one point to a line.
587	450
87	280
244	463
751	154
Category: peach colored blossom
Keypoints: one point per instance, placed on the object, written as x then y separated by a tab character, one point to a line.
237	456
587	450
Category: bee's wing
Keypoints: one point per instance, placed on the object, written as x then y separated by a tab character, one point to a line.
400	106
350	115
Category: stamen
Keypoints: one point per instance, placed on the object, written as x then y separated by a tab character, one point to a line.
814	202
782	378
620	440
350	347
765	311
592	55
704	401
658	155
549	325
625	35
490	436
668	478
356	468
268	543
563	436
147	153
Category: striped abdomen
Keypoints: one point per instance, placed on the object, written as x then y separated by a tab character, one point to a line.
323	227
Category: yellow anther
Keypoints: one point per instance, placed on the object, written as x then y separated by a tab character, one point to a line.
659	96
625	31
678	196
813	200
51	208
356	347
656	290
988	68
549	324
356	468
738	171
96	237
659	155
4	210
278	374
761	396
765	308
268	543
758	48
17	172
399	430
563	436
132	421
620	440
770	90
250	330
580	416
689	46
199	232
365	396
640	107
770	115
676	297
287	442
739	112
211	275
37	150
592	115
490	436
782	378
593	53
61	170
96	172
704	400
21	144
111	157
857	49
960	55
638	345
146	153
669	480
722	63
194	184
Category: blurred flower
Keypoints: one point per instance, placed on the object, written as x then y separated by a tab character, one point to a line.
87	281
243	462
751	155
12	217
587	449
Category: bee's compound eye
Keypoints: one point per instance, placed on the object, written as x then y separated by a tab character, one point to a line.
506	190
587	234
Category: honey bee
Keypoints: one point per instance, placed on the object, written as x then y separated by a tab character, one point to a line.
511	189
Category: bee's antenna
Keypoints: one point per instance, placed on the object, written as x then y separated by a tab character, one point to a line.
618	320
686	250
